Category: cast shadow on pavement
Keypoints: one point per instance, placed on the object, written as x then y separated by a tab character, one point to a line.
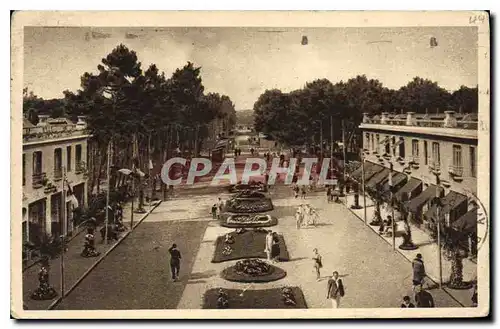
202	275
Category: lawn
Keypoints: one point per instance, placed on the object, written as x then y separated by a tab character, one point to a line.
249	244
254	299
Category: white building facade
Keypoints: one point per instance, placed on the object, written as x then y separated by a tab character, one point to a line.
431	155
52	150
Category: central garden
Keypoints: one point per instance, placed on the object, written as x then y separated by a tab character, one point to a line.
254	246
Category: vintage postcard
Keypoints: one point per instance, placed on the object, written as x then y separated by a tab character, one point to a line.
197	165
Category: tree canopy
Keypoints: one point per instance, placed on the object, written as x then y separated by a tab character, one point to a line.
299	117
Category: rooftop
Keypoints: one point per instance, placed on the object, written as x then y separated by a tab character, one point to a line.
449	124
53	129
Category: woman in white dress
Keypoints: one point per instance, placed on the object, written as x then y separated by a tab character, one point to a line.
269	244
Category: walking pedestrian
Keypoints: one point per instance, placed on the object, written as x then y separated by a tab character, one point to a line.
275	249
317	263
418	271
269	245
407	302
220	205
328	194
423	298
214	211
295	191
335	290
304	192
175	261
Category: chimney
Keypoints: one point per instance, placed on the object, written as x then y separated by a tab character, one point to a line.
366	118
385	117
450	121
411	120
42	120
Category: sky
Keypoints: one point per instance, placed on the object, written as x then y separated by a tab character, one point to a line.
243	62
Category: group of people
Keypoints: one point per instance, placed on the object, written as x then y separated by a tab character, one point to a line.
306	216
302	190
217	208
272	248
237	152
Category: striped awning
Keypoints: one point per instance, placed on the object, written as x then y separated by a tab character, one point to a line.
424	197
221	144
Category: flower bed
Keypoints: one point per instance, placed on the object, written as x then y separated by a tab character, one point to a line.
253	270
248	220
247	244
250	194
249	205
255	186
277	298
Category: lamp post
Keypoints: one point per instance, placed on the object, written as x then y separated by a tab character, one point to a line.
437	202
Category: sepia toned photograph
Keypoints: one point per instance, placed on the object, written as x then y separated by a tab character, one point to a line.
250	165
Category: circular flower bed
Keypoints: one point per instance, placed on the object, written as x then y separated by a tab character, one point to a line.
247	205
253	270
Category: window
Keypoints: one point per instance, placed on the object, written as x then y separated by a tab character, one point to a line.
401	147
472	155
394	146
68	158
387	145
414	148
58	163
426	154
78	151
37	163
436	157
24	169
377	142
457	156
367	146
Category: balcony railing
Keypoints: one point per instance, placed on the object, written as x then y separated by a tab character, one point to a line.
423	122
456	170
80	167
51	132
434	165
39	179
58	174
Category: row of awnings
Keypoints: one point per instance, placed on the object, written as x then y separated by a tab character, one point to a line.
410	190
221	144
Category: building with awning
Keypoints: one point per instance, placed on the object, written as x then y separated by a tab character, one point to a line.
415	204
370	170
410	190
398	180
222	144
467	223
454	204
378	178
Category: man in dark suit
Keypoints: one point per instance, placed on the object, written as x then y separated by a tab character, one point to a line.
423	298
335	290
175	261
